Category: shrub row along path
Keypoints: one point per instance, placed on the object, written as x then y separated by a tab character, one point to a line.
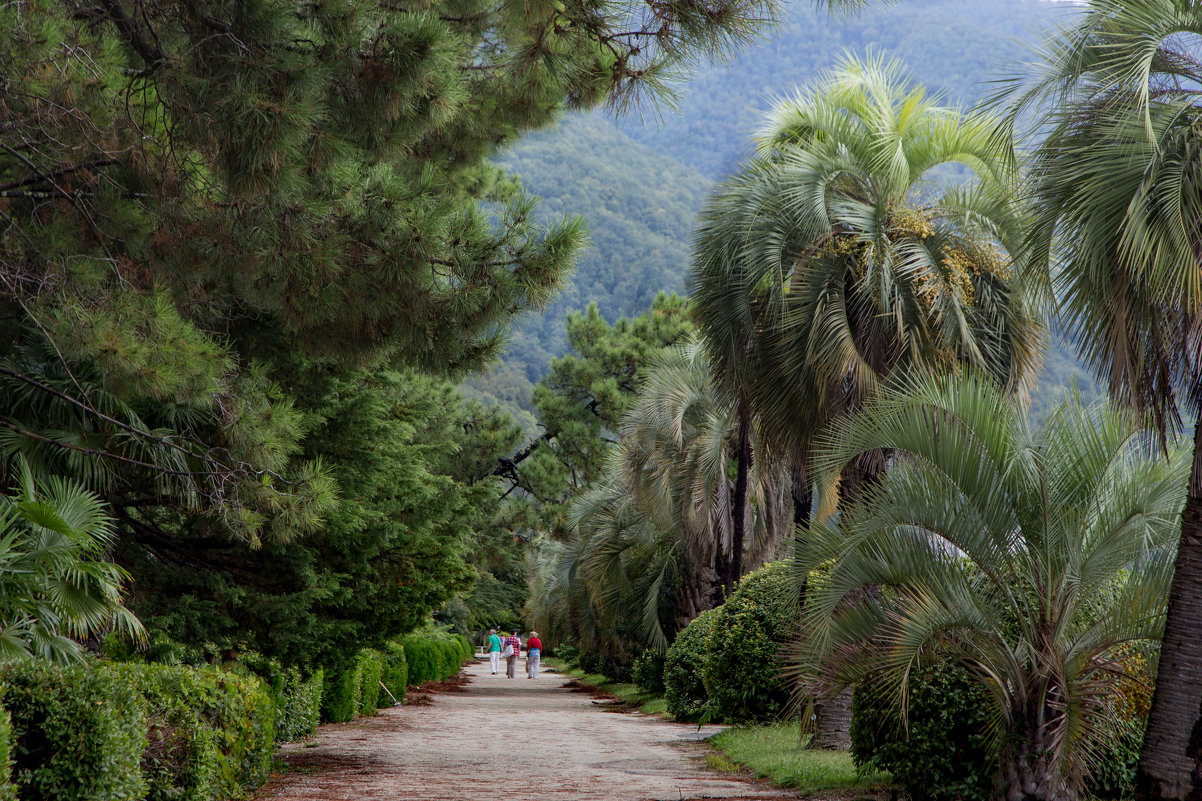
513	739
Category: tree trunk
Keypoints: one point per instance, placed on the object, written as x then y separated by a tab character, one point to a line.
742	474
1030	773
803	499
1170	764
832	716
832	722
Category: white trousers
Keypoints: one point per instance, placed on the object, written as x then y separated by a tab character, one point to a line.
494	659
532	659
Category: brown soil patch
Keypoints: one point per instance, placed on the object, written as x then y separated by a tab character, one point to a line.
455	684
519	739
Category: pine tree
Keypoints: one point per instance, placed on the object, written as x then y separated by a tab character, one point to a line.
192	192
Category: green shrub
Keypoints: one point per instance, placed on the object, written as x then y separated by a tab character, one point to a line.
435	654
218	730
943	752
648	671
1113	774
371	667
297	699
395	673
684	690
181	759
8	790
340	696
77	732
568	653
242	715
742	671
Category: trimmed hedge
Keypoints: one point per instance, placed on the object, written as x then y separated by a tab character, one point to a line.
435	655
181	759
8	790
743	667
297	699
340	696
211	732
370	665
943	753
77	732
684	663
395	674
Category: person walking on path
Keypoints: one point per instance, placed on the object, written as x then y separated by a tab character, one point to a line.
534	650
514	646
494	650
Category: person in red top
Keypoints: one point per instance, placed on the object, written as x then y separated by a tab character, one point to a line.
512	642
534	650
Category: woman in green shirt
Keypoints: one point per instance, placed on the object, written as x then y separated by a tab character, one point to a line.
494	650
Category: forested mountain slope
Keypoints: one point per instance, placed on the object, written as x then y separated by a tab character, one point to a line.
639	180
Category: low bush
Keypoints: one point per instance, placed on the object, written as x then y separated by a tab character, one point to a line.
568	653
942	754
742	671
684	690
181	759
242	715
77	732
395	673
297	699
648	671
341	693
370	665
435	654
8	791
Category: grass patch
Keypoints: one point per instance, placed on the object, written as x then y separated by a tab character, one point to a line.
648	703
775	752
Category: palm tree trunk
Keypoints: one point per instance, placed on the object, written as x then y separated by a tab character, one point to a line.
1030	772
832	716
1170	764
742	474
803	499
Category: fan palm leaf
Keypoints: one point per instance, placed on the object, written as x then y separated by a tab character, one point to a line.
1030	557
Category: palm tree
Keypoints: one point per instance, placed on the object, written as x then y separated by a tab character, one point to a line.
1118	183
1031	558
833	263
656	531
55	586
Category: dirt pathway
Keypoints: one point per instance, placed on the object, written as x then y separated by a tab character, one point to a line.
511	740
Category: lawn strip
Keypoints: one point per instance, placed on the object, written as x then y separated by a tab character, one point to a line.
776	752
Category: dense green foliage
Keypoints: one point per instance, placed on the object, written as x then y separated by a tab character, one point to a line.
297	699
56	582
395	674
938	749
398	543
684	667
79	733
8	790
984	532
744	651
640	208
434	655
648	671
212	732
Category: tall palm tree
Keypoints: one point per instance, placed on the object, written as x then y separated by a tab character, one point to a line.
656	532
1118	183
834	262
55	585
1032	558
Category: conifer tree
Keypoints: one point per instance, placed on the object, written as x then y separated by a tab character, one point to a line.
193	192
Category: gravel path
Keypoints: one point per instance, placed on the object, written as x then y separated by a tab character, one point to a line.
510	740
